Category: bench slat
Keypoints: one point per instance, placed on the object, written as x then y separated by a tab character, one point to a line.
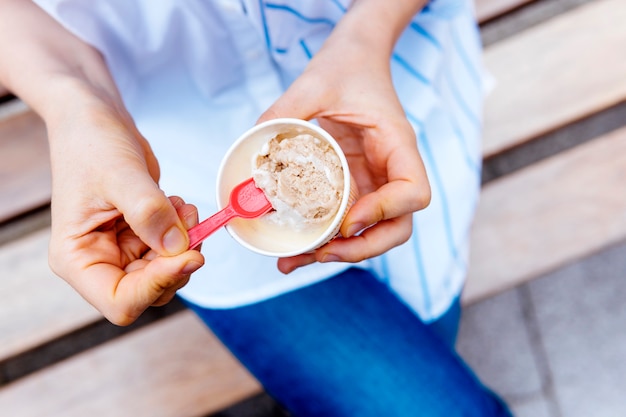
555	73
548	214
172	368
36	305
490	9
24	164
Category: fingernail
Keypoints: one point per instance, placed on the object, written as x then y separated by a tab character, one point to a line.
174	241
191	267
290	270
191	220
355	228
330	258
178	202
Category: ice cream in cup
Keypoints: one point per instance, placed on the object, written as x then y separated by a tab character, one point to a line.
305	175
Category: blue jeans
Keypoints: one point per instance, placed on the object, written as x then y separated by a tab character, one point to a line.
347	346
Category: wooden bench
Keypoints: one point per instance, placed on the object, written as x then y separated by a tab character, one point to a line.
490	9
550	210
547	214
25	168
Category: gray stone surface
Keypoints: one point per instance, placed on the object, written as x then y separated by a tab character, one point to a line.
494	342
536	406
581	312
555	347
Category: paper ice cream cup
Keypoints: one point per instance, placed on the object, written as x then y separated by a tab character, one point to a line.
261	235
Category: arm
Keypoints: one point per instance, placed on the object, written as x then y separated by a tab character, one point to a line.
116	238
347	87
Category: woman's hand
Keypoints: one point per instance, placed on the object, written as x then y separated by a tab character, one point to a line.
116	238
347	87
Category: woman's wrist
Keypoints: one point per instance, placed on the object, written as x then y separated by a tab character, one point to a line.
50	69
375	25
68	96
61	84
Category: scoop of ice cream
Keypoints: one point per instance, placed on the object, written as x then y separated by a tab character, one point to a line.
302	177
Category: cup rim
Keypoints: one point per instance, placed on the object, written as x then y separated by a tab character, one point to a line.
333	227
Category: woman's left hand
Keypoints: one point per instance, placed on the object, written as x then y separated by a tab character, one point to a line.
347	87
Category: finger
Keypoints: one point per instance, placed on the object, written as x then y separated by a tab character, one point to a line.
139	287
188	213
288	265
406	189
149	213
136	249
300	101
176	201
168	295
372	242
392	200
167	274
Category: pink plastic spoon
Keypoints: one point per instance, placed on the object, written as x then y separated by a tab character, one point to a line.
246	201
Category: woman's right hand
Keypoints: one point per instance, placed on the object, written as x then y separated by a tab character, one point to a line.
116	238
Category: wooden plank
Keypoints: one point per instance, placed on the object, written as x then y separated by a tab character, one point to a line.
555	73
24	164
490	9
172	368
547	215
36	305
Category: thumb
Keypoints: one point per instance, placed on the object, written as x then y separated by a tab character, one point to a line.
300	101
150	214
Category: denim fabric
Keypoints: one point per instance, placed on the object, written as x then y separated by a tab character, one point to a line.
347	347
447	326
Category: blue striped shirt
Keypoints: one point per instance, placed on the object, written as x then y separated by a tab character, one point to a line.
196	74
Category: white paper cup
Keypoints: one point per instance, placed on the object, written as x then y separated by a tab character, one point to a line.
259	235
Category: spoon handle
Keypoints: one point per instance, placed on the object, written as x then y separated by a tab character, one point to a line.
205	228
